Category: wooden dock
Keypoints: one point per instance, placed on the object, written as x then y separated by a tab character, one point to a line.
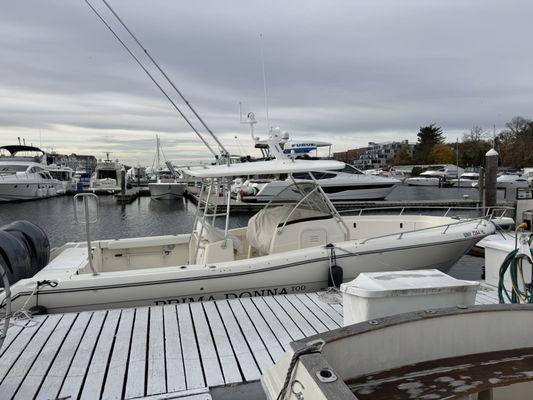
132	194
194	351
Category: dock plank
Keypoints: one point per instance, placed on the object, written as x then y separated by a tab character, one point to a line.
12	333
330	311
208	352
57	373
267	336
256	345
156	376
135	381
175	373
300	300
116	372
194	376
293	330
302	323
306	313
246	360
40	367
19	344
94	380
228	362
18	372
273	323
80	363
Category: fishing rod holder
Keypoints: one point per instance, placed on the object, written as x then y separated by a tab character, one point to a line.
87	220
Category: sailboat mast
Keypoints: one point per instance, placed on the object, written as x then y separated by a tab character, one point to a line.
157	160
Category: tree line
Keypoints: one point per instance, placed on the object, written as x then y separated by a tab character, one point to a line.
514	144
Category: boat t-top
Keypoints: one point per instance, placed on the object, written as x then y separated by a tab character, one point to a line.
285	248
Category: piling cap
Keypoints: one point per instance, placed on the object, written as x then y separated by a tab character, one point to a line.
491	152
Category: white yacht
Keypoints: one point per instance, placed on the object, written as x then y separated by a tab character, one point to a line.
24	174
107	176
281	248
436	176
506	181
65	175
342	184
467	180
168	185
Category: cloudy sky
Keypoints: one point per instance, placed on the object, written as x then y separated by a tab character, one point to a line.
344	71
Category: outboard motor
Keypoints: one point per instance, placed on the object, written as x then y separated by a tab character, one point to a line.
24	250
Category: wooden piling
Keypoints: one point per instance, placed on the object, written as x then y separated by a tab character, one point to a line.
491	171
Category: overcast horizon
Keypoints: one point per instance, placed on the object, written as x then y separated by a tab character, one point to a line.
347	72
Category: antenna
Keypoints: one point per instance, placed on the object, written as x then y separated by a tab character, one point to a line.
264	83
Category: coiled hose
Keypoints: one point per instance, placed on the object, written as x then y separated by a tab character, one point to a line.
513	263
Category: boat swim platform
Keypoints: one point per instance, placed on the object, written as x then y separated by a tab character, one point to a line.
191	351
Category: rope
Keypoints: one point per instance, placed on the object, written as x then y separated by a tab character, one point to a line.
311	348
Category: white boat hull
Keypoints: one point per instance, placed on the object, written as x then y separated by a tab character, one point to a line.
17	191
166	191
131	281
419	181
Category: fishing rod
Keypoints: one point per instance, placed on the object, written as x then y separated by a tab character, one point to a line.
220	145
151	77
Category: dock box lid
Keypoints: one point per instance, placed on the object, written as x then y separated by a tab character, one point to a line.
405	283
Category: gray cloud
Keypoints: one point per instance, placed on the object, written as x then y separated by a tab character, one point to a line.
345	71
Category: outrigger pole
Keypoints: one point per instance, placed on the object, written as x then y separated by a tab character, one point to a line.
130	52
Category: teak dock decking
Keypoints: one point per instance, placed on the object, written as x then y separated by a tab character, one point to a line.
187	351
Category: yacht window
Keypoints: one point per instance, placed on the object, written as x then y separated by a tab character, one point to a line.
11	169
45	175
317	175
350	169
107	174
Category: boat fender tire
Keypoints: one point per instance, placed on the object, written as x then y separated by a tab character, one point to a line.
335	276
37	242
7	269
16	256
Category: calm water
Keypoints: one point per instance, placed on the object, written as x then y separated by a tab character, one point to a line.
147	217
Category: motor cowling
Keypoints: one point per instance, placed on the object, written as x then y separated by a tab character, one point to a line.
24	250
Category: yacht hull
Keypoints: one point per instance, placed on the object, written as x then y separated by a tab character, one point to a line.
304	270
17	191
166	191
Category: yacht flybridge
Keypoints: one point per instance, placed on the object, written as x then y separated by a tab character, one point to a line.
283	249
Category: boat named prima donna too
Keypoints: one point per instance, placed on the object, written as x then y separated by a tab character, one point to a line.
24	174
283	249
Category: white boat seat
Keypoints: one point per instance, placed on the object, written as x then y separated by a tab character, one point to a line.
263	226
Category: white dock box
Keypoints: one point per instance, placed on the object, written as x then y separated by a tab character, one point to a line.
379	294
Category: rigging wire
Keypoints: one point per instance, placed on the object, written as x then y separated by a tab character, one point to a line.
151	77
220	145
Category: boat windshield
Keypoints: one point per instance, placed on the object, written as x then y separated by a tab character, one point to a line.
306	202
12	168
350	169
